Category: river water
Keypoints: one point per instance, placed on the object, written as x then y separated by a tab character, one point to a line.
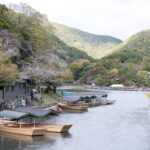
125	125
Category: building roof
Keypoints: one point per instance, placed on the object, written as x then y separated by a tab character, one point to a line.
36	112
117	85
12	114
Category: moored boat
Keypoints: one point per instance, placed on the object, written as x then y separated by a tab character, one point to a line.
58	128
73	103
91	104
31	131
94	100
72	107
16	127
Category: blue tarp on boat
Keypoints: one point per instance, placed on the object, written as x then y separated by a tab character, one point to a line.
67	93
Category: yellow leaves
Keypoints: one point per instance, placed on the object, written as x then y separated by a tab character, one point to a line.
142	74
77	65
66	76
113	71
7	69
3	57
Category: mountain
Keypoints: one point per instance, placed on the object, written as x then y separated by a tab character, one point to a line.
140	40
32	35
135	49
128	64
29	41
96	46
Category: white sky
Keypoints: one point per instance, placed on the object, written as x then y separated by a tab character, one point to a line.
119	18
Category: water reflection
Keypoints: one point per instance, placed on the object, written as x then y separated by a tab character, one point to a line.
14	141
58	135
16	137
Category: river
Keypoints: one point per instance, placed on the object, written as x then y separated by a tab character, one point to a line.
125	125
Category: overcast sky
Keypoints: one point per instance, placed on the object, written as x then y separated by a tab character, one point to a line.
119	18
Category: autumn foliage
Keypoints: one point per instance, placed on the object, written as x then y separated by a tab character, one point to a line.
8	71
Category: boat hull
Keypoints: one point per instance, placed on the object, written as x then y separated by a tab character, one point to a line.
94	104
73	107
23	130
108	102
55	127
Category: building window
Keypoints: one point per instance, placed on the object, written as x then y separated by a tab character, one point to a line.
12	88
7	88
21	85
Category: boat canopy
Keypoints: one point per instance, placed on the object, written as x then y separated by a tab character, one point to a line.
70	98
81	96
13	114
37	112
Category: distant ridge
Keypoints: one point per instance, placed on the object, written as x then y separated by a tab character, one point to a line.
94	45
138	41
135	50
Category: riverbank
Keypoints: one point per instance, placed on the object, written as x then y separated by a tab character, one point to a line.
47	98
95	88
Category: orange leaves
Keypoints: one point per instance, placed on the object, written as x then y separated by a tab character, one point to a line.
66	77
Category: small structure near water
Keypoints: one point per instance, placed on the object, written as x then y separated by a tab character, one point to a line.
21	122
117	86
16	94
11	123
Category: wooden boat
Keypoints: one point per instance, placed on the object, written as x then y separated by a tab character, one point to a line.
110	102
55	127
103	102
31	131
73	107
12	125
49	127
91	104
107	102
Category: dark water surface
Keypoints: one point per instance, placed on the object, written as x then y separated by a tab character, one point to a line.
122	126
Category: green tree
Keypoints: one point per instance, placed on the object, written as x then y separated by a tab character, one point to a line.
142	77
76	68
4	23
108	63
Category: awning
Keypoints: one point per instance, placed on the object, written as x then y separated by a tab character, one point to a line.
36	112
13	114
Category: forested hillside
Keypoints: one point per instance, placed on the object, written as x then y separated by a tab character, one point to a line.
28	41
134	50
29	46
96	46
129	64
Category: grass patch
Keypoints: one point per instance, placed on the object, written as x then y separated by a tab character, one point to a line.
148	95
49	98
